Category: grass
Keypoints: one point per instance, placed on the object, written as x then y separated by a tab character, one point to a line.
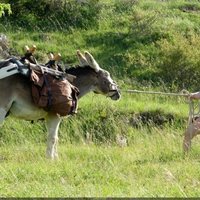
91	171
152	165
132	39
136	41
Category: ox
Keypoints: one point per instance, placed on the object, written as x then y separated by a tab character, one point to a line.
16	99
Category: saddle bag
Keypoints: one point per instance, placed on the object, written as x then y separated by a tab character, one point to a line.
53	94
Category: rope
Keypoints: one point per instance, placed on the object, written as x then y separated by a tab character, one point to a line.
185	94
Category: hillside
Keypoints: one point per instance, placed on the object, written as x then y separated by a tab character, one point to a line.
144	44
147	41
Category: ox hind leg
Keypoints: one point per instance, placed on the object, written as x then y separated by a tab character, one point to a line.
52	123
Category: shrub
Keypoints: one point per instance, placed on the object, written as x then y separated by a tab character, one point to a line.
53	15
179	61
4	8
122	6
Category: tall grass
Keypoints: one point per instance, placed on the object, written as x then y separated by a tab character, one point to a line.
152	165
103	121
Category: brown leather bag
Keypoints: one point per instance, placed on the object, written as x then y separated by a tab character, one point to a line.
53	94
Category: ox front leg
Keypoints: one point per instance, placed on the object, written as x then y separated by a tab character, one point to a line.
52	123
3	113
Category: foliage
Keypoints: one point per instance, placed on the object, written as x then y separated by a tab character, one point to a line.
53	15
179	61
4	8
138	40
124	6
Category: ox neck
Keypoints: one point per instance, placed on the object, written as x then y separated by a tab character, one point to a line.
84	91
85	79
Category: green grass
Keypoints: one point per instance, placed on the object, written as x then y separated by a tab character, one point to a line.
152	165
142	43
146	169
132	39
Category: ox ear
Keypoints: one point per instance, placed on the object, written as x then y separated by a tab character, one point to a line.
81	58
91	61
50	56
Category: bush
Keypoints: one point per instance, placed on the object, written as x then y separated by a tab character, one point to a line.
126	6
53	15
4	8
179	61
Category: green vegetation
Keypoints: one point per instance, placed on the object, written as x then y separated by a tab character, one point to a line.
42	15
146	41
152	165
4	8
145	44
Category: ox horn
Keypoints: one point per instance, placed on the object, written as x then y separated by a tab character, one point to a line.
30	50
91	61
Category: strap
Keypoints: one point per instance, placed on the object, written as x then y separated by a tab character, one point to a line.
49	104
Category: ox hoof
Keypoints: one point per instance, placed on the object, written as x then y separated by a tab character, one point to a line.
51	156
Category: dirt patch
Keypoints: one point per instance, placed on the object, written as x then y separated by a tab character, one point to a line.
190	8
156	118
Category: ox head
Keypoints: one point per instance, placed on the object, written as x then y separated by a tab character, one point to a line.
103	83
